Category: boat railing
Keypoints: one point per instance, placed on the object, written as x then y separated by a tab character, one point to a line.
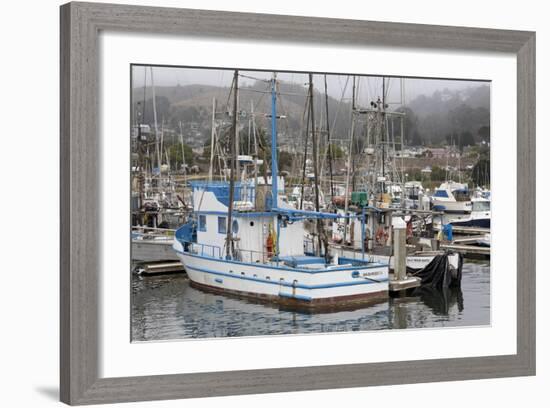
213	251
309	246
251	256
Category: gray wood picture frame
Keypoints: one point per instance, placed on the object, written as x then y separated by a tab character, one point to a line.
80	191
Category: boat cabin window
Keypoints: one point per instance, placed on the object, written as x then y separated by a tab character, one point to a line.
461	195
481	206
235	227
222	225
202	223
441	193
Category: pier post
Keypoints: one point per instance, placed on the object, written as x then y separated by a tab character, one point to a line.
400	248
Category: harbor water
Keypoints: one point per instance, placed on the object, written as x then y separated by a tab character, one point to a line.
166	307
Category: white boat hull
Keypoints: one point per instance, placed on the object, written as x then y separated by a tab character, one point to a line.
417	261
144	250
413	261
327	287
459	207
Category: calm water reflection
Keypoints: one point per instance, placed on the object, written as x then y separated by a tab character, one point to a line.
166	307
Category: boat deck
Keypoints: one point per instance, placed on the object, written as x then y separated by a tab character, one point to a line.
299	263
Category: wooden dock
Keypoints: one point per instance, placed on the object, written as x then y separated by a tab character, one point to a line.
399	285
467	230
467	249
156	268
399	281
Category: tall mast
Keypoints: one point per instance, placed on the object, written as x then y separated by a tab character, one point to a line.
141	148
236	111
305	154
329	151
383	133
212	140
233	147
157	147
255	155
315	166
350	151
183	163
314	142
274	166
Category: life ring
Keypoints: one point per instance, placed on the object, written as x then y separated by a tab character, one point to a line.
409	229
381	236
269	245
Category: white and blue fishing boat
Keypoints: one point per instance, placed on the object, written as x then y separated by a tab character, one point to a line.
244	239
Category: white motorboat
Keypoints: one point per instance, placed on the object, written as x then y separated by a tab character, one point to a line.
480	216
452	197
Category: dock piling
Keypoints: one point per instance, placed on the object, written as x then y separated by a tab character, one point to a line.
399	280
400	248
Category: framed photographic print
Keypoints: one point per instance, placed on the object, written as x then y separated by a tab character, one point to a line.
261	203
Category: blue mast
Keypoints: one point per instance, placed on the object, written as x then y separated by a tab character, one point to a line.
274	170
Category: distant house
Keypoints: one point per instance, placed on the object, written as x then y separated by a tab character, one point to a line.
410	152
436	152
403	153
442	152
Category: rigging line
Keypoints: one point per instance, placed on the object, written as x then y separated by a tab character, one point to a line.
268	92
254	78
350	154
283	108
156	122
144	93
230	93
315	166
296	163
358	93
366	92
253	90
372	89
233	169
338	106
388	87
340	103
401	91
144	100
256	104
221	88
280	100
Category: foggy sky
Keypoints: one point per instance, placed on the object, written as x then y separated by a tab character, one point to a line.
367	87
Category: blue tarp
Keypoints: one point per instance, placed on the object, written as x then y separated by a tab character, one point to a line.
187	232
295	261
448	232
